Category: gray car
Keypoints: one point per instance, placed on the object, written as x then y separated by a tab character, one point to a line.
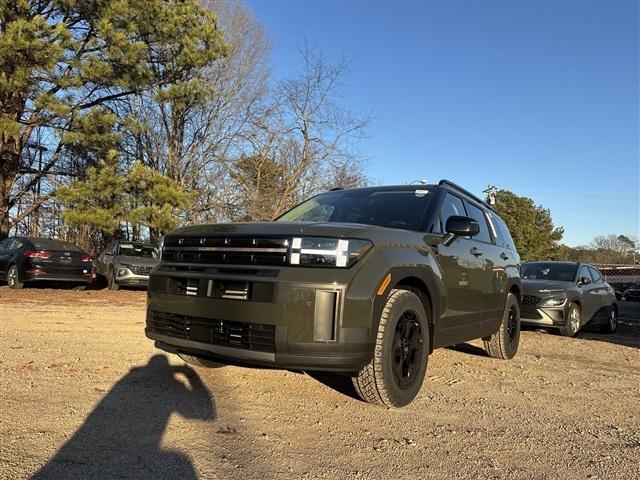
567	296
127	264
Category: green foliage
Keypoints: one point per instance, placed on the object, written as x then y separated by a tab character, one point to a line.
531	226
108	198
66	64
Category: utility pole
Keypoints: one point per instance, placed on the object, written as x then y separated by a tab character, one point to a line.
490	194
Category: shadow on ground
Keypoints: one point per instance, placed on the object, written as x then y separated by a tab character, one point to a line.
121	437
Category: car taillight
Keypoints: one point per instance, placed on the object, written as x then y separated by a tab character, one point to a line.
86	258
34	254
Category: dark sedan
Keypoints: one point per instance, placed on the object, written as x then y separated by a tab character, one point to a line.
632	293
28	259
567	296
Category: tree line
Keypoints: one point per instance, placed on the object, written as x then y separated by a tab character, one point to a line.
128	118
123	119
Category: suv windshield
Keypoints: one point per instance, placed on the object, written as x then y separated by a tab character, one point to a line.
399	208
133	250
562	272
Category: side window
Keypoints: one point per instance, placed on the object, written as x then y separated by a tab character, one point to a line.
478	216
12	244
584	272
4	244
114	248
503	237
451	206
596	275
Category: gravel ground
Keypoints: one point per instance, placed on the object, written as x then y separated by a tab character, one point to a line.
85	395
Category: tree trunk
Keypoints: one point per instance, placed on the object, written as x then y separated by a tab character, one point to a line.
9	167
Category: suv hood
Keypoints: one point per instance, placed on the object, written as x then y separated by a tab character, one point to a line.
322	229
533	287
132	260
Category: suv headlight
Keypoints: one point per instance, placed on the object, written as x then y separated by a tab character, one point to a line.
553	301
327	252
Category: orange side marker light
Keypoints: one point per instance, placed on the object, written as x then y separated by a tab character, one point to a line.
385	283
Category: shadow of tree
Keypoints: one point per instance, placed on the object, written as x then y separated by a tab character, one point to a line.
121	437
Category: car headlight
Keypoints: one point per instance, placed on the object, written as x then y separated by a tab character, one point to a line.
327	252
554	301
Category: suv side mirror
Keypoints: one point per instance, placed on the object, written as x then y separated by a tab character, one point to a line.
458	226
462	226
584	281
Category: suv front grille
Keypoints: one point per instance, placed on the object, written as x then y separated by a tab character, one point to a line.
530	300
227	250
251	336
141	269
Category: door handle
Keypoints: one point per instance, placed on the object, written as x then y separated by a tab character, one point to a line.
476	252
504	256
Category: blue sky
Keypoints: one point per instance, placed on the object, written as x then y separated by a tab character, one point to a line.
541	98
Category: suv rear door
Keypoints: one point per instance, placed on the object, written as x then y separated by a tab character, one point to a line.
494	263
462	272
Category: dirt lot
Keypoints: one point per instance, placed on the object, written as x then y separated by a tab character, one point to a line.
85	395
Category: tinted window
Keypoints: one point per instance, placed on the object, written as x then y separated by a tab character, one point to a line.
503	236
51	244
452	206
476	213
5	243
386	208
137	250
562	272
595	275
584	272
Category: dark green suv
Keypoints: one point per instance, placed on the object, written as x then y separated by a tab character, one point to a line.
364	282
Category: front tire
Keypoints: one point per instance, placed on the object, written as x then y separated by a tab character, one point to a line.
396	372
504	343
574	321
199	361
111	282
13	278
610	325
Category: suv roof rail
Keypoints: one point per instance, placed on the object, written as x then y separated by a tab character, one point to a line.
336	189
449	183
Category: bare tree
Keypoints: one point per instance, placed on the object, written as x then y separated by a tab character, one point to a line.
308	143
189	131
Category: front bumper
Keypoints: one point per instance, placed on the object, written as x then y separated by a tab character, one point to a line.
545	316
130	279
285	318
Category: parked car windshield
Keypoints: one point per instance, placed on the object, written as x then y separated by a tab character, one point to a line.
562	272
52	244
401	208
133	250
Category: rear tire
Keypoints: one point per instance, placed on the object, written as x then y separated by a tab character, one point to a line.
610	325
573	322
396	372
199	361
13	278
504	343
